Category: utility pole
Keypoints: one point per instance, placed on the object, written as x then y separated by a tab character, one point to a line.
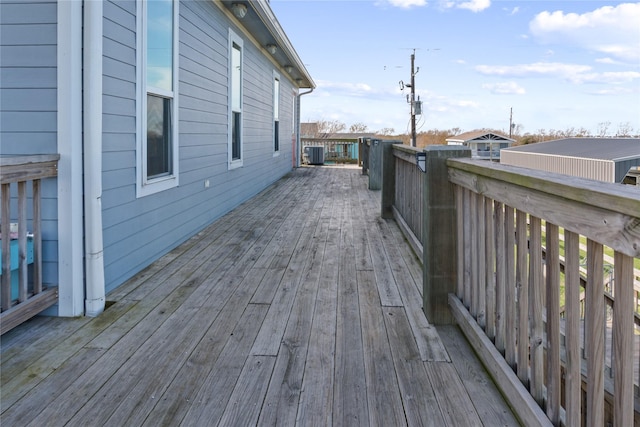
510	122
413	101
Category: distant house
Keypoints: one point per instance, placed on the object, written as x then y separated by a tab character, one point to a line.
166	115
483	144
602	159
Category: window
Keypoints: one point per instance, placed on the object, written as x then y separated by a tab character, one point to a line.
235	89
157	162
276	112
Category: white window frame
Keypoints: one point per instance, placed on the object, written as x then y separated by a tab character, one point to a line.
235	163
276	113
147	186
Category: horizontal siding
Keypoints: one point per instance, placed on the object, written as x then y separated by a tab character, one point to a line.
28	103
138	231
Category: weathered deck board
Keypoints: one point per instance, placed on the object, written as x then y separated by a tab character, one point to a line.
300	307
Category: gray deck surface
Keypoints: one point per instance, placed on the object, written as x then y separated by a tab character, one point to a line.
300	307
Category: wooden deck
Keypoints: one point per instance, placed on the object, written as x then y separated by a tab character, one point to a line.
300	307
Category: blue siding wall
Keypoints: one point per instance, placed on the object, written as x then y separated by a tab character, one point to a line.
28	98
139	230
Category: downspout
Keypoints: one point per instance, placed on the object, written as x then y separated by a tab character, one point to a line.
298	144
92	147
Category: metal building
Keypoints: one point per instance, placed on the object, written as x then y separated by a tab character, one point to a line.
603	159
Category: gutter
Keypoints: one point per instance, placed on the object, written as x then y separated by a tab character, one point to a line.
92	148
298	144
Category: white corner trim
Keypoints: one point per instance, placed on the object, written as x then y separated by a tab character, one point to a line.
69	142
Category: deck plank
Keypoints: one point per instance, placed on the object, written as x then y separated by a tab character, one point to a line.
383	393
316	399
418	396
349	402
208	406
300	307
283	395
488	402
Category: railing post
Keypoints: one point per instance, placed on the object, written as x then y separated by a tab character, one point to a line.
439	266
388	178
375	164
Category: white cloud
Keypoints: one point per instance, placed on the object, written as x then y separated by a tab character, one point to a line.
536	69
615	90
506	88
574	73
612	78
609	29
358	89
472	5
407	4
475	5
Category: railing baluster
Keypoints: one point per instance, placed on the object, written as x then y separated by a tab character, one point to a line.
5	288
489	248
473	244
460	247
482	263
536	305
509	322
467	248
594	335
573	379
522	285
22	241
623	336
500	275
553	322
37	236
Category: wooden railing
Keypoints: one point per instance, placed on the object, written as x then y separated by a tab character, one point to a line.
407	203
509	298
336	150
22	295
527	284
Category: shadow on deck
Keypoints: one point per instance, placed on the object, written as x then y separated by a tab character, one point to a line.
302	306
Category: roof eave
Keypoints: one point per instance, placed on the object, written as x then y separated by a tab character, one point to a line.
262	19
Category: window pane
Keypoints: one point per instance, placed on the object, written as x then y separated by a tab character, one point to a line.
276	98
160	44
236	76
235	137
158	136
276	136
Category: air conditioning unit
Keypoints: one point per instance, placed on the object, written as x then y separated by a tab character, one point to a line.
315	155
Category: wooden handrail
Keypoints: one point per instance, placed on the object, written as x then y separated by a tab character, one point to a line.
507	283
606	214
18	171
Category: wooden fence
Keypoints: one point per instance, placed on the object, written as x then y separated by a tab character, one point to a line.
562	348
21	296
336	150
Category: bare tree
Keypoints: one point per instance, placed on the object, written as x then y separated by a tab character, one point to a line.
625	129
603	129
326	127
386	131
358	128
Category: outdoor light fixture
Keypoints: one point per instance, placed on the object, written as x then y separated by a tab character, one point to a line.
239	10
421	161
272	48
288	68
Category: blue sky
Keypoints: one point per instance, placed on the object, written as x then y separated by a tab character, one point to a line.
558	64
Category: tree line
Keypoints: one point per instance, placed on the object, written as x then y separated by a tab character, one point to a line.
323	128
